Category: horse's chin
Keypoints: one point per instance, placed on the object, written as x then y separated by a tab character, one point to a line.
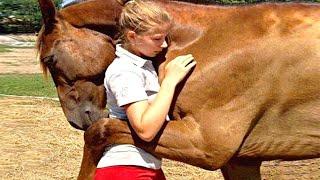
85	120
76	126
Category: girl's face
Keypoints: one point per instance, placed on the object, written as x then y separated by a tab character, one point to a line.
151	43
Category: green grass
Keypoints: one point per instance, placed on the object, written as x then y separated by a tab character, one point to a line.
4	48
27	85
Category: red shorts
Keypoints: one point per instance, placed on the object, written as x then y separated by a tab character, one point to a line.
128	173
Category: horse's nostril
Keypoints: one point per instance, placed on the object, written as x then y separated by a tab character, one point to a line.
88	112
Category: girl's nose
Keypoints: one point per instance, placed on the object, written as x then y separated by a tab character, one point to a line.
164	44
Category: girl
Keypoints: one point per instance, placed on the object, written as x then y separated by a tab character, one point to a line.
133	91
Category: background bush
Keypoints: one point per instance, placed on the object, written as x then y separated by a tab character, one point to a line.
20	16
23	16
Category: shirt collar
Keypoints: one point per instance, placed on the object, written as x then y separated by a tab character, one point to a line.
138	61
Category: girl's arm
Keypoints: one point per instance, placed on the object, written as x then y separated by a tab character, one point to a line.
147	119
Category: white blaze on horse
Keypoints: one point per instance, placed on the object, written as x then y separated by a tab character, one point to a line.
254	94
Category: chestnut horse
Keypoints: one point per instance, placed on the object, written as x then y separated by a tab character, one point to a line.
254	94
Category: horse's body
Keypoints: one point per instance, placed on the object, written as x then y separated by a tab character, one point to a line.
254	94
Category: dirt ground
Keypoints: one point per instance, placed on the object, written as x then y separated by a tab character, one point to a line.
38	143
19	60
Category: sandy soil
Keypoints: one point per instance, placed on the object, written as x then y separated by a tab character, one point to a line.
38	143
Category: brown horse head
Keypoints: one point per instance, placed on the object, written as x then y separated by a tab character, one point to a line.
76	58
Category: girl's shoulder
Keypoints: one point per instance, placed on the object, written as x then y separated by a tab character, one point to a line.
120	67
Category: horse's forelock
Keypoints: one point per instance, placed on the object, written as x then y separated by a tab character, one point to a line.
39	44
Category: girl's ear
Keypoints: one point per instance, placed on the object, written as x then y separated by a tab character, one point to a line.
131	36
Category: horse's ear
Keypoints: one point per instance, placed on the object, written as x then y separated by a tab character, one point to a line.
48	12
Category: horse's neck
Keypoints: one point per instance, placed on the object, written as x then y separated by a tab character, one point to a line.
186	29
172	141
92	13
191	22
195	14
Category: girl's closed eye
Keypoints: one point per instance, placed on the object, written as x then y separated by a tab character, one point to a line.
158	37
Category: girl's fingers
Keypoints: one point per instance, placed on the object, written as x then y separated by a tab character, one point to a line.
182	59
190	65
187	61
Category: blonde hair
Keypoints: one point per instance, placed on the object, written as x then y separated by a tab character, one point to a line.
140	16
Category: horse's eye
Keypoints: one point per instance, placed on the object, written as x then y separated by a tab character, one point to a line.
48	60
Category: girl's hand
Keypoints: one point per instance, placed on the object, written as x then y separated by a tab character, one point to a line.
178	68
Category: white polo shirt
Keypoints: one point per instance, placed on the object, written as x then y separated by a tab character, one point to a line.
128	79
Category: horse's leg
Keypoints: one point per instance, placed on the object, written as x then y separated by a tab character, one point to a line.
89	163
93	150
240	169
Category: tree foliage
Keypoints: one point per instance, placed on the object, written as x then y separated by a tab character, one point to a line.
23	16
20	16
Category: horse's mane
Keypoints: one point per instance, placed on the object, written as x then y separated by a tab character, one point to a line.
204	2
39	44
